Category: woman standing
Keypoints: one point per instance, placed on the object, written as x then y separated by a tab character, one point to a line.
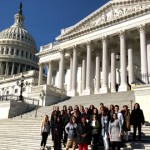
95	132
70	129
58	129
105	126
45	131
126	124
137	120
115	132
83	134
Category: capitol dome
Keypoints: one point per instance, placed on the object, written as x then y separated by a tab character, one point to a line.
17	33
17	48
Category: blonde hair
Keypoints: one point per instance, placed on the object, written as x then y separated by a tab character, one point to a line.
45	120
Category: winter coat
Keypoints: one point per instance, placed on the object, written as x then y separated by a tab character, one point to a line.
83	129
105	125
126	124
95	127
58	130
137	117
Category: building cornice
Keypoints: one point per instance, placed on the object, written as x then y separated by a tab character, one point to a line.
92	26
47	52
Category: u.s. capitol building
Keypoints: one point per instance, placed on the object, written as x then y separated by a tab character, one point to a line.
17	58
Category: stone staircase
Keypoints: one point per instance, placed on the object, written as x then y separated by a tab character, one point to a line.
23	132
119	98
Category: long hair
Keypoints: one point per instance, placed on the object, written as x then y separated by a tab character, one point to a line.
71	119
45	120
137	105
112	119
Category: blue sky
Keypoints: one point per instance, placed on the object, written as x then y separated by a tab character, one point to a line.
45	18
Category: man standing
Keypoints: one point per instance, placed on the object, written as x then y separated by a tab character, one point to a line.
119	114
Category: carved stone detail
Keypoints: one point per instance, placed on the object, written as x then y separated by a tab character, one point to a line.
142	92
107	15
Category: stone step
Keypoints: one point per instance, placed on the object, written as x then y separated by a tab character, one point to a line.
119	98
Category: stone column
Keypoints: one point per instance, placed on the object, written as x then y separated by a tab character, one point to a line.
104	88
7	69
13	67
144	68
49	74
123	67
148	57
148	54
130	62
97	76
0	68
83	77
25	68
74	72
40	81
88	69
70	80
61	70
113	71
15	51
19	68
9	52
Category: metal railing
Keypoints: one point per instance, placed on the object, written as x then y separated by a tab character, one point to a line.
15	97
142	78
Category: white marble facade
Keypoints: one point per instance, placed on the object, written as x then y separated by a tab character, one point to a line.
107	48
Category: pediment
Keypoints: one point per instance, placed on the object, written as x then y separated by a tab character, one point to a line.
109	12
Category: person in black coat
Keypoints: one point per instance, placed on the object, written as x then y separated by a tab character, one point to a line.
83	134
137	120
58	130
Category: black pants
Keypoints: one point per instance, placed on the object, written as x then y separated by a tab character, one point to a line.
115	144
95	139
44	138
57	142
139	131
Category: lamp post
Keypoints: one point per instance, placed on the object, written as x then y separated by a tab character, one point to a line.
21	84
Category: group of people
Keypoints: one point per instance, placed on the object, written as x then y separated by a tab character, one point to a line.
79	127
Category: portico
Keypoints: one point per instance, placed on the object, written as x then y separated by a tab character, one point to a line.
86	53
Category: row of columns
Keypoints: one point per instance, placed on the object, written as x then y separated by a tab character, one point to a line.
9	68
17	52
86	66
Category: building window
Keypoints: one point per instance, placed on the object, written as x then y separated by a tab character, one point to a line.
22	53
7	92
17	53
7	49
2	51
33	58
12	51
16	90
26	54
30	56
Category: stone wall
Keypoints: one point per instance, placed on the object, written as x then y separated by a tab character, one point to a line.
4	109
18	108
142	96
